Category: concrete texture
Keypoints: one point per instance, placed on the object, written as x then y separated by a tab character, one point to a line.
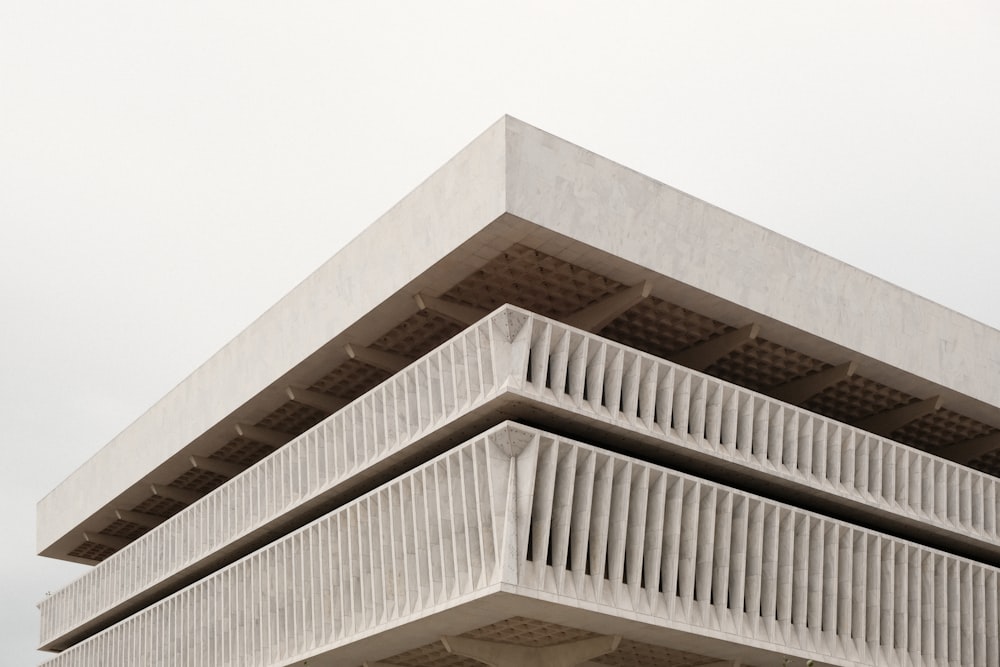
542	518
577	203
516	363
700	517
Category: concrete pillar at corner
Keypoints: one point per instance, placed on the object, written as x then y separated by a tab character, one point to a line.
511	655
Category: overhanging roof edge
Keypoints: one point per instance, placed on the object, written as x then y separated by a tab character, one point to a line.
460	199
581	195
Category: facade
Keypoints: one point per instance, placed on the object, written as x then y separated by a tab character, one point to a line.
572	416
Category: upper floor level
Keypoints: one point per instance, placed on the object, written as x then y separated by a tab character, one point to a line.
522	217
513	363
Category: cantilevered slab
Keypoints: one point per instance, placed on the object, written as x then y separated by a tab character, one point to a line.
654	414
450	208
601	552
517	184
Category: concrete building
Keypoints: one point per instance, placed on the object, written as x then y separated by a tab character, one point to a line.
686	441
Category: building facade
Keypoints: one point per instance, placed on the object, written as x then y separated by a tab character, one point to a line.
568	416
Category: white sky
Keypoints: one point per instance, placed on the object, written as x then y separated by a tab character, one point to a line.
169	170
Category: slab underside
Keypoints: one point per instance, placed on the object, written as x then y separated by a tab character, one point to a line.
520	522
535	633
518	616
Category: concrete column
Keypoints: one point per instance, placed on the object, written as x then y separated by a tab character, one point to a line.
496	654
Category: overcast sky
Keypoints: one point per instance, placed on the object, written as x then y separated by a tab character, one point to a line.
169	170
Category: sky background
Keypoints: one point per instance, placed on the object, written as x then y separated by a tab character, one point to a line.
170	170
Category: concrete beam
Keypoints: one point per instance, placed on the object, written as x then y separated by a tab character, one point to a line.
213	465
180	495
703	355
498	654
106	540
315	399
265	436
598	315
799	391
456	312
140	518
387	361
969	450
886	422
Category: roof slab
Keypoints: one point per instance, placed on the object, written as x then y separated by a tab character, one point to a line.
516	187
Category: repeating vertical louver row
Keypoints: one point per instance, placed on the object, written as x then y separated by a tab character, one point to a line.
620	385
530	513
646	540
516	355
428	537
465	372
716	421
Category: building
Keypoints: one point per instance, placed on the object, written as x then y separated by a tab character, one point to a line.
686	441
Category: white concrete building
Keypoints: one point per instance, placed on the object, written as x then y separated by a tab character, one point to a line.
686	441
